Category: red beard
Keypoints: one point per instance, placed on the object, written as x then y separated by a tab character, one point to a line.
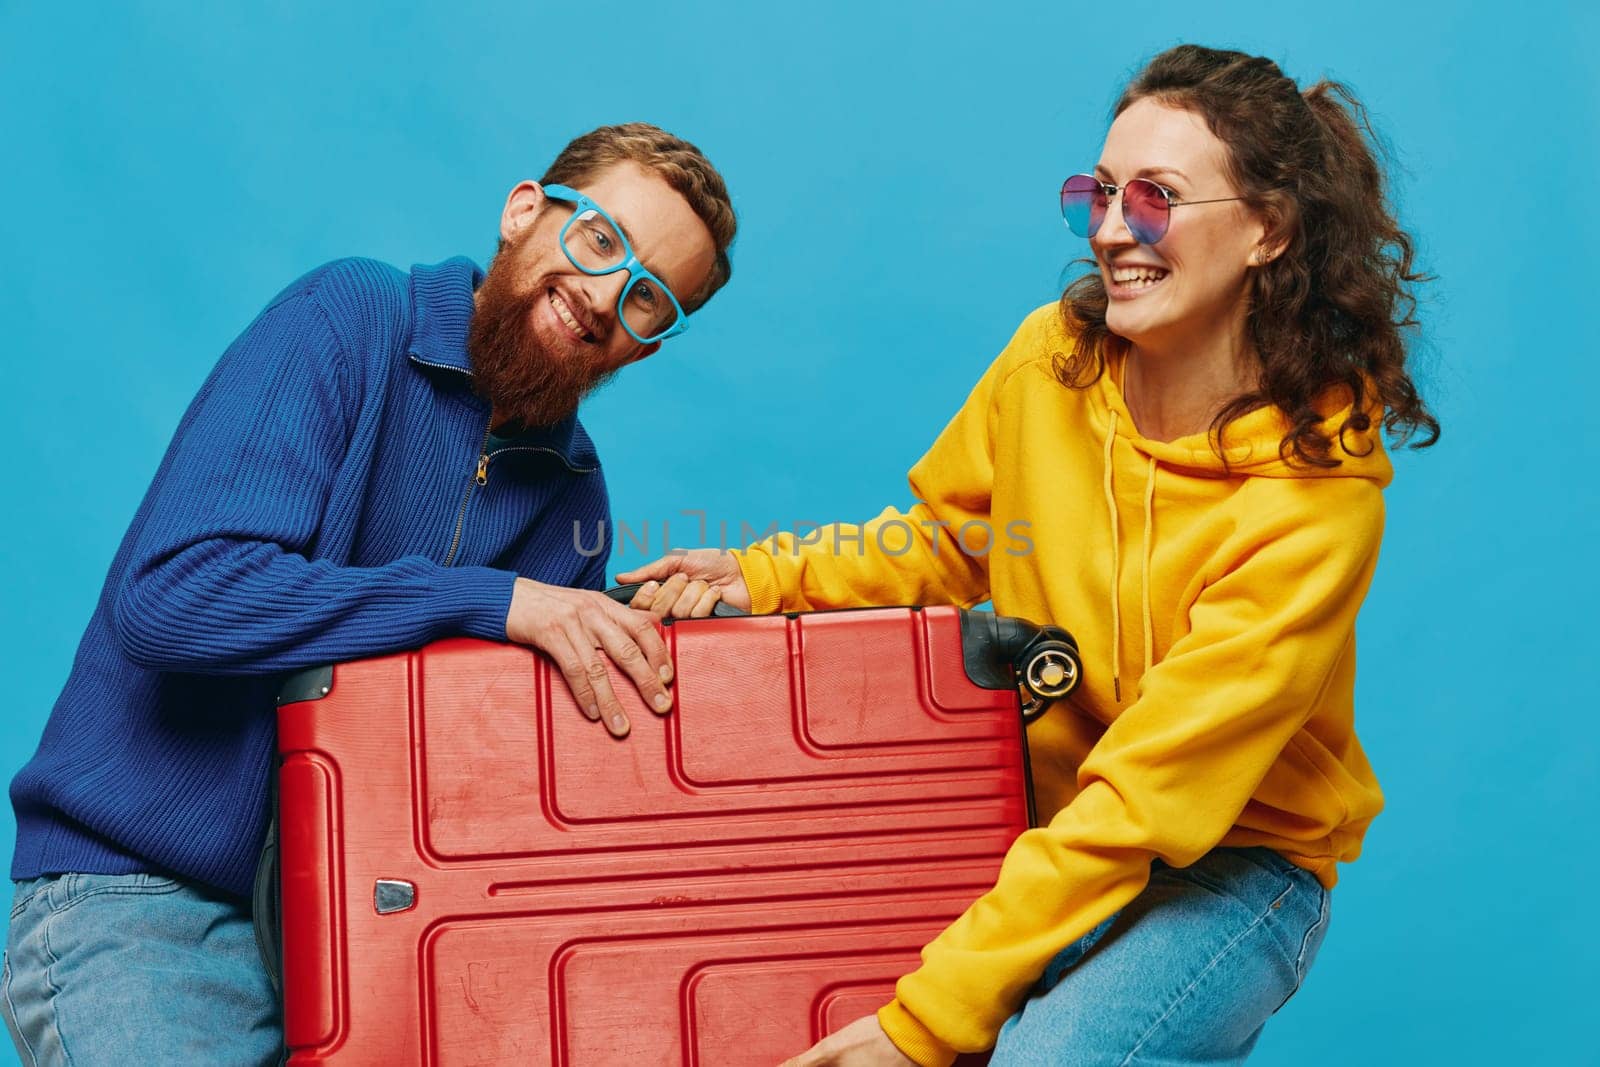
510	367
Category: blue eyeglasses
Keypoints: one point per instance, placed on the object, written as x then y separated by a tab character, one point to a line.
595	244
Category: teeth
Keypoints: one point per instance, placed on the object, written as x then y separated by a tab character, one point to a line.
565	314
1137	275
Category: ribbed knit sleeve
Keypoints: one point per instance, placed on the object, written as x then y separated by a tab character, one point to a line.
222	577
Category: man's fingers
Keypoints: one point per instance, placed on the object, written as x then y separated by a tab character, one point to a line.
648	638
611	713
569	662
623	648
596	677
584	632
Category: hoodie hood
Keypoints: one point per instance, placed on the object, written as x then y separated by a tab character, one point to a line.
1252	441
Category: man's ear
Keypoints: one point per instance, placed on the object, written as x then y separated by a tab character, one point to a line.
523	205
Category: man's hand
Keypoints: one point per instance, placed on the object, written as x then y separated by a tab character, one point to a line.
688	584
580	629
861	1044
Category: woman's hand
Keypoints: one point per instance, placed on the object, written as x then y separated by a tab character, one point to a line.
861	1044
688	584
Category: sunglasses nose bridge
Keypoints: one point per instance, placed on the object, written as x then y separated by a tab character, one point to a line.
1113	230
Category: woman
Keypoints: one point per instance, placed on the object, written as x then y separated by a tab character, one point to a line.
1192	443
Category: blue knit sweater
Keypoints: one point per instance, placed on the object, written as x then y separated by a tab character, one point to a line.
304	514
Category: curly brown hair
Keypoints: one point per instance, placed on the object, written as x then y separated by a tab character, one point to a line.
683	166
1336	307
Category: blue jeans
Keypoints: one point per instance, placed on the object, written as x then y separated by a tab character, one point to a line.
136	968
1187	973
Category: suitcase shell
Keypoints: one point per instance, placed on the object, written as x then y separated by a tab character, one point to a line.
473	873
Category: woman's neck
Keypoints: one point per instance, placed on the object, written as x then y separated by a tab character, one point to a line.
1175	391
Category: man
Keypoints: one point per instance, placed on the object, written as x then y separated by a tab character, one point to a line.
378	461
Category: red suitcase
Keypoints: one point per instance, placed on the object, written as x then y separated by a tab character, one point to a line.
473	873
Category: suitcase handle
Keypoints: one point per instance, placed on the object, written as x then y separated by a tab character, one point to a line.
624	593
1000	652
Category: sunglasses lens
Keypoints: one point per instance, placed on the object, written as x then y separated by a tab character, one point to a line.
1083	204
1145	210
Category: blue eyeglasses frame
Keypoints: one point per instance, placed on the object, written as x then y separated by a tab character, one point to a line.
630	263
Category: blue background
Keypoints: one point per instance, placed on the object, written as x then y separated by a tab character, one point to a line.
164	170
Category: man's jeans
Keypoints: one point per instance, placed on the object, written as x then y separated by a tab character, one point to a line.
105	969
1188	973
112	969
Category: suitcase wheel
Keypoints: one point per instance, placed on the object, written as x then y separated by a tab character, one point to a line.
1051	670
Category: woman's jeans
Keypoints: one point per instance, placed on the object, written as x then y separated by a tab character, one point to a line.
1188	973
104	969
109	969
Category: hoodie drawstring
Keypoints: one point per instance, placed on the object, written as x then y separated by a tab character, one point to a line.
1149	524
1146	618
1116	568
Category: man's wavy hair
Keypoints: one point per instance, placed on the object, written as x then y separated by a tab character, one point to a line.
683	166
1335	308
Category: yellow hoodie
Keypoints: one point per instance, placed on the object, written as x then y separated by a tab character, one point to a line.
1215	609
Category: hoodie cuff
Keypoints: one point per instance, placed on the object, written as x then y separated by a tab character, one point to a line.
912	1038
761	578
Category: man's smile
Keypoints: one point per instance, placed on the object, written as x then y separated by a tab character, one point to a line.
569	317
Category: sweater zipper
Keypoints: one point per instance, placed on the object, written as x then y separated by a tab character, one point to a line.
479	477
546	451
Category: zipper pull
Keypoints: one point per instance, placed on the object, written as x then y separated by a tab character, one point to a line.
483	468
